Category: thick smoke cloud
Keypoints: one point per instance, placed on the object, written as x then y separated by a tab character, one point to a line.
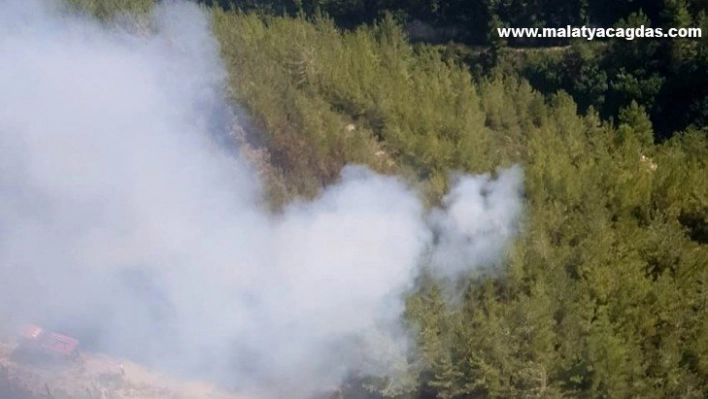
480	216
125	222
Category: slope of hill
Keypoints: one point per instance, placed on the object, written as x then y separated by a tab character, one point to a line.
92	376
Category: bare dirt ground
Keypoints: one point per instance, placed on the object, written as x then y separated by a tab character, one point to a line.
92	376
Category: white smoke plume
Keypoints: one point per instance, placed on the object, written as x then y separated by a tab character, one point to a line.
479	217
125	222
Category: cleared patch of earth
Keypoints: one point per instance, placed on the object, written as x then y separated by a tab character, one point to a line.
92	376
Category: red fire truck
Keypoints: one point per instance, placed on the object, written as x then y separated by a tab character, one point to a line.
36	340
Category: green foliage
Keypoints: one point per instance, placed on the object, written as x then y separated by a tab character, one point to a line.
635	120
593	304
106	9
306	81
605	292
603	295
605	74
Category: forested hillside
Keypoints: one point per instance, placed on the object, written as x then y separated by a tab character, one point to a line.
605	293
607	75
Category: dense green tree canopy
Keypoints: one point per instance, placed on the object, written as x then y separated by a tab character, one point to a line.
605	292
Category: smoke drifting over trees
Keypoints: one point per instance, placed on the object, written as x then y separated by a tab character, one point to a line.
123	220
